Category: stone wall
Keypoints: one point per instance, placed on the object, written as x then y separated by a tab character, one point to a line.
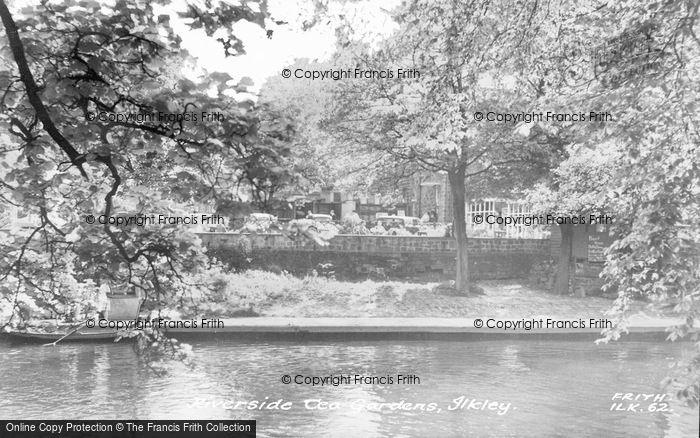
354	256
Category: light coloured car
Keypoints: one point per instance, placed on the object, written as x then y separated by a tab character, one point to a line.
408	223
211	227
261	217
258	223
323	218
433	229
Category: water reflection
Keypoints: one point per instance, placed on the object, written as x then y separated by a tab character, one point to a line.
550	388
511	360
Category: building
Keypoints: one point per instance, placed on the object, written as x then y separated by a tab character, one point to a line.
432	192
416	196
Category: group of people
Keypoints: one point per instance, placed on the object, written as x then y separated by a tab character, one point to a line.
430	216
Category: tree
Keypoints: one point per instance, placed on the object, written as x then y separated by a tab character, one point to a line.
462	54
578	187
319	158
101	120
639	63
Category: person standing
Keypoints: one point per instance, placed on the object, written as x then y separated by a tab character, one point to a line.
432	214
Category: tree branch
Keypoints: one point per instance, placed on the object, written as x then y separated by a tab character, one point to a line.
76	158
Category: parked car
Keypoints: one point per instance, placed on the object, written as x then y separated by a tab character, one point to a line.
408	223
434	229
314	224
323	218
211	227
261	217
320	232
258	223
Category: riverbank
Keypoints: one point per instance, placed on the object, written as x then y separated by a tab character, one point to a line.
640	328
283	295
462	329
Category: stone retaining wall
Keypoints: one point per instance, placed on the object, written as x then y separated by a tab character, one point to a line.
357	256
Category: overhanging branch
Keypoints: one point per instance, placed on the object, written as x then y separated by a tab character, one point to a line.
76	158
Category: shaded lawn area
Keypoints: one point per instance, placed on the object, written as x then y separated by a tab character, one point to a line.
283	295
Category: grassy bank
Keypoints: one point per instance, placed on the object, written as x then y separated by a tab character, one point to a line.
262	293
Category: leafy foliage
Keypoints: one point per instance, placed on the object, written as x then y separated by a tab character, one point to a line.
68	69
638	61
462	54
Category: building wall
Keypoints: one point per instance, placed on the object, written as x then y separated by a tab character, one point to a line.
353	256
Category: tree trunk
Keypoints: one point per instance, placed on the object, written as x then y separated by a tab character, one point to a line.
459	227
566	248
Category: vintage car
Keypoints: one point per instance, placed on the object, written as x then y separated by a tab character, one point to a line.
258	223
409	223
323	218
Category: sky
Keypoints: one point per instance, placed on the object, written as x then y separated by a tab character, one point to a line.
267	57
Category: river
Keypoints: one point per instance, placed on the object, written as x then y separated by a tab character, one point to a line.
540	388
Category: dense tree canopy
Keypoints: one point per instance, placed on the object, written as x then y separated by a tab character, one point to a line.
636	61
103	114
464	58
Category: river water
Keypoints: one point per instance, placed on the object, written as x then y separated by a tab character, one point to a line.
541	388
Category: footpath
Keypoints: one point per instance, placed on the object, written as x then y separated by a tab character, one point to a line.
639	327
